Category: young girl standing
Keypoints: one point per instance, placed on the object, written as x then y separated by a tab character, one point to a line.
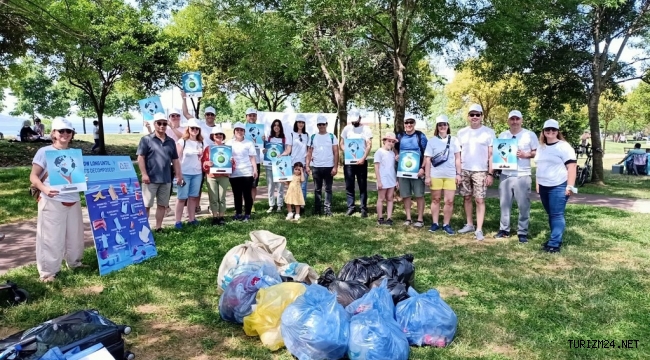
386	178
294	192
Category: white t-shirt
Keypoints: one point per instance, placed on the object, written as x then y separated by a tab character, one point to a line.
39	159
322	155
191	160
387	172
475	144
435	145
205	132
551	163
241	152
96	132
360	132
526	142
298	144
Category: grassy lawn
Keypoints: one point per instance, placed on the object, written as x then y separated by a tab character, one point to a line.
512	301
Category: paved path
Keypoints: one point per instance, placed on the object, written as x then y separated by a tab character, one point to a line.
17	248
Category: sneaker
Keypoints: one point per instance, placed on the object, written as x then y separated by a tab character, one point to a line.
289	216
418	224
328	213
159	230
388	222
246	218
222	221
194	222
270	210
215	221
238	217
364	214
523	239
380	221
350	211
169	212
434	227
502	234
279	209
296	217
467	229
552	249
407	223
447	229
197	210
178	225
478	234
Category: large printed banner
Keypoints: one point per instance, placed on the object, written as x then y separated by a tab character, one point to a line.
117	214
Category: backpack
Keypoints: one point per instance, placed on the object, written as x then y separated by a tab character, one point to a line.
419	135
312	139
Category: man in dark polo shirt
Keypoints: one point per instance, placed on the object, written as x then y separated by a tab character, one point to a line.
156	152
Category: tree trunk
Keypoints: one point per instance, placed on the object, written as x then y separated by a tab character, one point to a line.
597	175
83	121
100	120
604	137
128	126
399	91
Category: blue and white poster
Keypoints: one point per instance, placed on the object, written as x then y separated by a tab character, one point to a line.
354	150
221	157
408	164
150	106
273	151
118	218
192	84
282	169
66	170
255	133
504	156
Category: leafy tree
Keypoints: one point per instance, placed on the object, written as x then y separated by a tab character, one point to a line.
636	109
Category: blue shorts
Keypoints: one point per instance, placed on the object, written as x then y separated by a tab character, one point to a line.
192	186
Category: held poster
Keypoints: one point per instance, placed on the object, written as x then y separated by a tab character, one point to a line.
504	156
273	151
354	150
221	157
282	169
408	164
66	170
118	218
150	106
255	133
192	84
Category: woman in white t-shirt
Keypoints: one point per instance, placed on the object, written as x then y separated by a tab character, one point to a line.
276	136
190	149
442	172
386	175
297	146
555	176
59	226
245	172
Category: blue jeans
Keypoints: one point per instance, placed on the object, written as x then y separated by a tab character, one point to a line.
554	201
304	185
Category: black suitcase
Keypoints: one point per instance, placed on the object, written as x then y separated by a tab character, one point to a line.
83	328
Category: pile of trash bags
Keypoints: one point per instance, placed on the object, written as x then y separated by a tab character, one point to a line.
369	310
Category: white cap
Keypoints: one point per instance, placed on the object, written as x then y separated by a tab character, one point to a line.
239	125
516	113
353	116
551	123
476	107
210	110
175	111
442	119
301	117
217	130
159	116
250	111
61	124
409	116
321	120
191	122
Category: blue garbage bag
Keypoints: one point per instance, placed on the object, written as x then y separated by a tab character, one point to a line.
238	298
378	298
374	336
427	319
56	354
315	326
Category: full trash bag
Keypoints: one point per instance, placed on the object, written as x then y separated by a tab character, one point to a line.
374	336
265	319
248	253
298	272
398	290
315	326
400	268
364	270
346	291
427	319
239	296
378	298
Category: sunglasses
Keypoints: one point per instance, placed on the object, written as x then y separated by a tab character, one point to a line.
321	124
475	114
239	129
161	123
175	115
195	128
551	130
515	118
209	114
300	137
409	122
65	131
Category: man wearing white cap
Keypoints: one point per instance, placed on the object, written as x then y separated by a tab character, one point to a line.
517	183
476	164
251	118
156	153
354	130
323	155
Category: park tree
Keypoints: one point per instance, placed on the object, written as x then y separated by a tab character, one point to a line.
636	108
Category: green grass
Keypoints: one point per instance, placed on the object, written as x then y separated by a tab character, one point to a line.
512	301
15	202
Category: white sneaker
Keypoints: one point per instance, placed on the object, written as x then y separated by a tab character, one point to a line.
478	234
279	209
297	217
270	210
290	216
467	229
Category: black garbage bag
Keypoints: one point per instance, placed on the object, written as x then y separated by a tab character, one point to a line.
400	268
364	270
398	290
346	291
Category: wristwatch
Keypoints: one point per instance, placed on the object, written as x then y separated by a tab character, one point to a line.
490	174
573	189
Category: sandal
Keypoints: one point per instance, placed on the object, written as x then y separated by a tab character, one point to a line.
407	223
418	224
48	279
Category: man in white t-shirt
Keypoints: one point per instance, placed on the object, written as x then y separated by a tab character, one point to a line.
323	155
251	118
354	130
517	183
476	164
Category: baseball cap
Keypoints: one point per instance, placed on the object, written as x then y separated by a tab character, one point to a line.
61	124
159	116
409	116
353	116
217	130
175	111
301	117
551	123
321	120
516	113
239	125
476	107
210	110
250	111
191	122
442	119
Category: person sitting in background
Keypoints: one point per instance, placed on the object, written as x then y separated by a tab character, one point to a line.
27	134
635	161
39	128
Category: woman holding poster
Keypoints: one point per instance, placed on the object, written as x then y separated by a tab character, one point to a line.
190	150
217	183
59	226
276	136
245	172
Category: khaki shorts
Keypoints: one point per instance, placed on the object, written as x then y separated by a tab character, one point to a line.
411	187
158	191
443	184
473	184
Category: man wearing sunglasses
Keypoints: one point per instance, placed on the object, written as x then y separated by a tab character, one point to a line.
517	183
354	130
476	163
156	154
323	155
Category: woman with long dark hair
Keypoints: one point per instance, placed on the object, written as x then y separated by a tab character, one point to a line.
297	147
241	180
276	136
